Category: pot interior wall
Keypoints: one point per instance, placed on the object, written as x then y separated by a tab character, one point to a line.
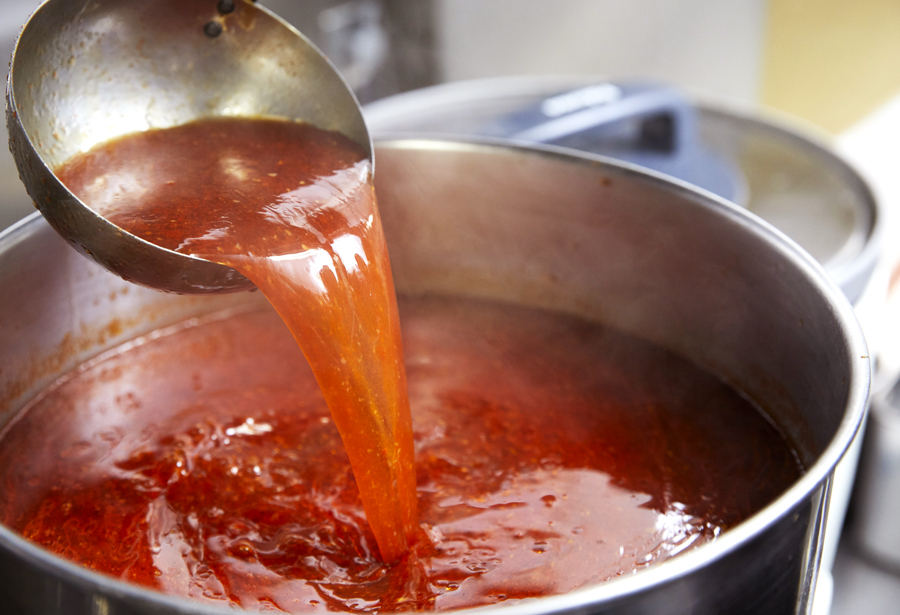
608	244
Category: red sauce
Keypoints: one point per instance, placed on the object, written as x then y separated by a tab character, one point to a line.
551	453
215	461
292	207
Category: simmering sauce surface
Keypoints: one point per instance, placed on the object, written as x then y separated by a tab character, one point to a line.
216	460
292	207
551	453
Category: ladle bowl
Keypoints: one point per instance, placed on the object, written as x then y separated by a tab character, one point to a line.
87	71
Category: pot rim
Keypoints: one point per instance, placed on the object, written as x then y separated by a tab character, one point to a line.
657	575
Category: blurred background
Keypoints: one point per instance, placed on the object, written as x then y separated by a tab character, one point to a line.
829	62
833	65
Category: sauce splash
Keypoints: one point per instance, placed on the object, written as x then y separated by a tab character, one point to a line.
291	207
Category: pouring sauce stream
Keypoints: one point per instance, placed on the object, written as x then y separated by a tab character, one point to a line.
552	453
291	207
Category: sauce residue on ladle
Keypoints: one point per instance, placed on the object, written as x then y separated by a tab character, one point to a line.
292	207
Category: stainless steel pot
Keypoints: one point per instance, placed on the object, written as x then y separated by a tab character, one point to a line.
787	173
545	228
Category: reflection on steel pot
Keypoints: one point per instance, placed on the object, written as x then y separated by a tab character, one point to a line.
608	242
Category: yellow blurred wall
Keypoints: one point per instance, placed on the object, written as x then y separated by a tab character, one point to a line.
831	61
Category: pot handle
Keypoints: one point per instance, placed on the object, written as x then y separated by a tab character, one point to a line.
652	117
653	126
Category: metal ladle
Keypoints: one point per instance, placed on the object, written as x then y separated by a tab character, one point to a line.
87	71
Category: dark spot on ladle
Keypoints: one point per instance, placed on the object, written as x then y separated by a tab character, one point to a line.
212	29
226	6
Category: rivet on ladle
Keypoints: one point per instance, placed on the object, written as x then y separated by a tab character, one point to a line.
212	29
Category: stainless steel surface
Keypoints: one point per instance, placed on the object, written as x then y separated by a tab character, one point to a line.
794	180
801	186
86	71
660	260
